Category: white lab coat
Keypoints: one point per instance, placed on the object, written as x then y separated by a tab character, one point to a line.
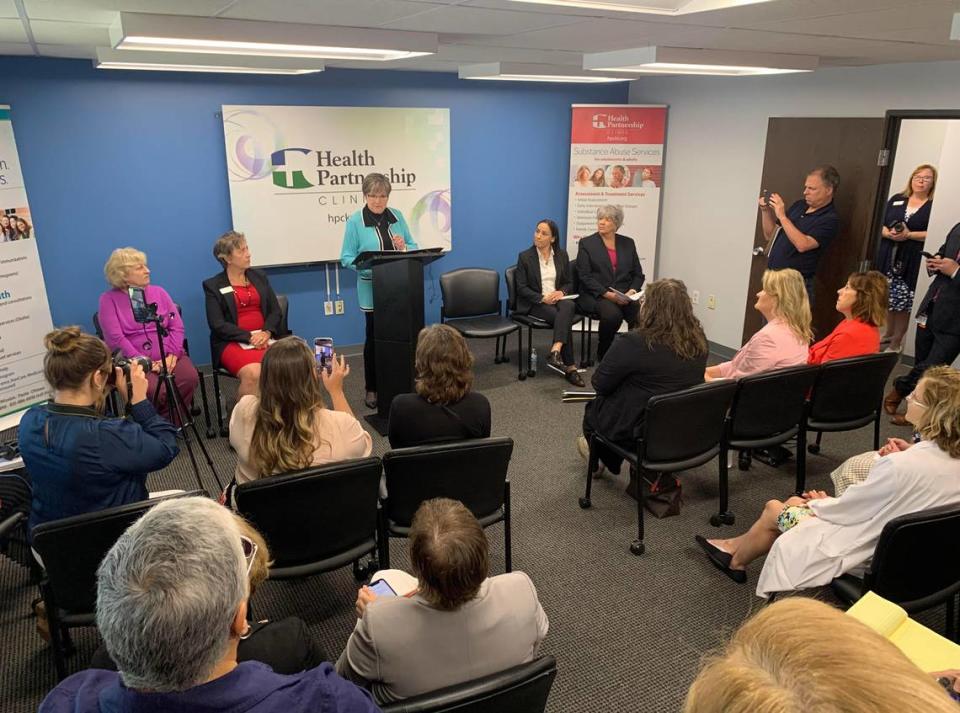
844	533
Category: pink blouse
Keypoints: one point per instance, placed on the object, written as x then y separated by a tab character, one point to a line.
773	347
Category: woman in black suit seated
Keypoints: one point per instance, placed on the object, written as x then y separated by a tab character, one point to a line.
242	311
543	277
608	261
666	352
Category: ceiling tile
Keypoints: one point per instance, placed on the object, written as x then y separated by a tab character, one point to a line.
353	13
68	12
8	9
70	33
478	21
70	51
12	31
15	48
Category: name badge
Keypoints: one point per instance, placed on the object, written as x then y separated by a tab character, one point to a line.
226	290
898	202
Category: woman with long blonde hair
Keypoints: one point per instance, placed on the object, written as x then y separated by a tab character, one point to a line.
811	540
784	340
287	427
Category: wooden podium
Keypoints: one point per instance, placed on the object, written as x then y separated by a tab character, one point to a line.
397	319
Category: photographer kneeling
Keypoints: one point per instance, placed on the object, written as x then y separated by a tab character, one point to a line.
79	460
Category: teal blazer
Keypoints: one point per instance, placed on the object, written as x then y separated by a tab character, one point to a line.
358	238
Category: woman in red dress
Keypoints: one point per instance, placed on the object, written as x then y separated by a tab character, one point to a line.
242	311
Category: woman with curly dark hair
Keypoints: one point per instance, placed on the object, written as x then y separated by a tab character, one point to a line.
665	352
444	408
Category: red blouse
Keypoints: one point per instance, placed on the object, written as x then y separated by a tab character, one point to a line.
850	338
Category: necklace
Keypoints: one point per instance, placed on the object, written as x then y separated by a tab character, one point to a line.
244	297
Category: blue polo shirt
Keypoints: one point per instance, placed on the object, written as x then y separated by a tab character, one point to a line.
821	225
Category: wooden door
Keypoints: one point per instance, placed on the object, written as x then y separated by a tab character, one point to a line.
794	147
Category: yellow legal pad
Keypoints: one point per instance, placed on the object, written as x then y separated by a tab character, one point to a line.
926	648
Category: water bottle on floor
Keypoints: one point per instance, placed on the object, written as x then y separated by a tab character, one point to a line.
533	361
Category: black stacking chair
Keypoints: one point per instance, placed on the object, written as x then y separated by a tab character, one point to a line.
15	497
201	387
71	550
315	520
916	564
472	306
681	430
219	371
521	689
528	321
473	472
848	394
767	410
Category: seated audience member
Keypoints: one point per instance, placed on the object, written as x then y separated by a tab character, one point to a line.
452	623
242	311
287	427
799	655
608	261
127	267
863	304
444	408
815	538
79	460
665	352
785	338
543	278
189	551
284	645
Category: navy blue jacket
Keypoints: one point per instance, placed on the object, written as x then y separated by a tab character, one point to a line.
82	462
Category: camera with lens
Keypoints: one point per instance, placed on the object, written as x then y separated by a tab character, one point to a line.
898	227
119	361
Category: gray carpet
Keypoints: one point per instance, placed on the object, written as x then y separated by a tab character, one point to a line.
628	632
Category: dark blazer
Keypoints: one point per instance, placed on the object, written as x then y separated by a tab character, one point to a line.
630	373
946	291
596	272
529	286
222	311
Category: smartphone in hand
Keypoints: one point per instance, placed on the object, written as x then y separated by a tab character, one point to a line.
323	353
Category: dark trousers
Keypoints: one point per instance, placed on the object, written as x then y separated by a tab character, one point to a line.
610	316
369	356
560	316
930	349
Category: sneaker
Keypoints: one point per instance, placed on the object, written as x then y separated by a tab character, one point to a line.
583	447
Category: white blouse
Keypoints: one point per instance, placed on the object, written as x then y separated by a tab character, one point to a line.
548	274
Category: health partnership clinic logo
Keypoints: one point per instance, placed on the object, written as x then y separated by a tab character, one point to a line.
615	121
599	121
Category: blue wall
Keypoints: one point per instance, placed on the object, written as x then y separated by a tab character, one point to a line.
115	158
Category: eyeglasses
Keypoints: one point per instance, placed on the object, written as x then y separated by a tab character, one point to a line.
913	400
925	179
249	551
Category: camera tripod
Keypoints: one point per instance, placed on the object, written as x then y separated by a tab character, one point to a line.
180	415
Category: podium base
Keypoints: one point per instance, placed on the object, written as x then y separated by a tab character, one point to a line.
378	422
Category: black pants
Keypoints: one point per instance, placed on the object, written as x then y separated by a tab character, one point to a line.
610	316
931	349
560	315
369	356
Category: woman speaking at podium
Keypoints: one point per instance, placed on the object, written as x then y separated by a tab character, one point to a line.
374	227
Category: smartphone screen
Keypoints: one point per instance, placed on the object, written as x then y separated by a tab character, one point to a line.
323	352
382	589
138	301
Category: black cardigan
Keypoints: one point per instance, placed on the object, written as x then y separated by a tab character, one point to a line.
529	286
222	311
596	272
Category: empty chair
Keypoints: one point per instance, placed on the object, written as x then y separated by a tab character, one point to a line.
521	689
315	520
472	306
681	430
767	410
473	472
916	563
71	550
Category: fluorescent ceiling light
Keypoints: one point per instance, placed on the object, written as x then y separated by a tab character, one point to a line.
682	60
650	7
227	64
202	35
522	72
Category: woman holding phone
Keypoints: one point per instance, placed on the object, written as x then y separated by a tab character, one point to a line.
374	227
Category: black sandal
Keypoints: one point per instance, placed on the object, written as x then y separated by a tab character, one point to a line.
721	560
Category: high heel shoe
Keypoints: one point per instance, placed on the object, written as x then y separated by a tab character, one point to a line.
891	402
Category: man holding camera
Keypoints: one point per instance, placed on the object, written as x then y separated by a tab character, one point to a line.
796	236
938	322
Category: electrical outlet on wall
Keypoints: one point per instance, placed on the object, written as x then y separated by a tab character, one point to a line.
712	302
328	308
338	306
695	297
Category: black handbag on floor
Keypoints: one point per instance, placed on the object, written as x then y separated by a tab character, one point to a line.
663	497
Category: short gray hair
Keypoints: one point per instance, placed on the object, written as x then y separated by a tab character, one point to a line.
168	592
376	182
226	244
119	262
828	174
613	212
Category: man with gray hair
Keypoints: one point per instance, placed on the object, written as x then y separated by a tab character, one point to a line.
172	607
